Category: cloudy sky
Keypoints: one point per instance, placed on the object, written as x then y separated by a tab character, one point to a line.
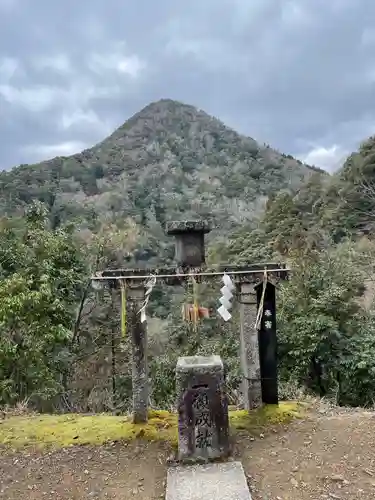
298	74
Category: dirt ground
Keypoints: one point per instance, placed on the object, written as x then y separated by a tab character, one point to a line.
118	471
329	454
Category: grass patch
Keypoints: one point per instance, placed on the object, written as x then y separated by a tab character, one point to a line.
60	431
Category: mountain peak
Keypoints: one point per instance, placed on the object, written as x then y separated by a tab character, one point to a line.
168	104
165	111
167	118
169	158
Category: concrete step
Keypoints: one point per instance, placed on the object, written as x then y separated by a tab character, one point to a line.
216	481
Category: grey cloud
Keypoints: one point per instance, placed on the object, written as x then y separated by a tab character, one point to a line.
296	74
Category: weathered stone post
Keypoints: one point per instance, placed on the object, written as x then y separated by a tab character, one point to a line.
203	423
249	346
138	331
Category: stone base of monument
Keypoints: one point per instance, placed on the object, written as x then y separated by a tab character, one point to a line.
220	481
203	423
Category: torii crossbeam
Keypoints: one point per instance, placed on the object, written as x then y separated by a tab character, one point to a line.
257	312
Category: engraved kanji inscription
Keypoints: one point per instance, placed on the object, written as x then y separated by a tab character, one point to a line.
200	401
203	438
203	419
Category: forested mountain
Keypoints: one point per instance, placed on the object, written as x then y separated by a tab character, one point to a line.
63	219
168	161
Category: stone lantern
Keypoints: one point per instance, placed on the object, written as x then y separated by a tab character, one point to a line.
189	238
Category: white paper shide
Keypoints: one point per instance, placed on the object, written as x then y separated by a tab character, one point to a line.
226	297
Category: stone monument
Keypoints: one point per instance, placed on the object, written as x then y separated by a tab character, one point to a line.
203	423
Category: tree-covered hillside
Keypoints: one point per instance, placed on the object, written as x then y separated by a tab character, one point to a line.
168	161
64	219
324	230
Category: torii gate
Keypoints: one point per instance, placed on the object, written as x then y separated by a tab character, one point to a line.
258	343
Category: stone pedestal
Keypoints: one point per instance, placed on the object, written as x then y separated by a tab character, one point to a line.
249	348
221	481
203	424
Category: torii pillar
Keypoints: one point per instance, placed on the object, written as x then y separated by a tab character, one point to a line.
249	347
138	330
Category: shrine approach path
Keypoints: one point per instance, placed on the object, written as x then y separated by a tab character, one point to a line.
329	454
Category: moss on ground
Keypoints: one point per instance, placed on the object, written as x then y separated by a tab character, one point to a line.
256	420
59	431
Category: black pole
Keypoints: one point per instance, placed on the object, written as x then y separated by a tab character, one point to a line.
268	344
